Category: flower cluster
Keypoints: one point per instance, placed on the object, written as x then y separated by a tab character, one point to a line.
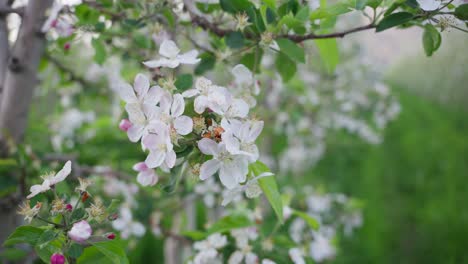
66	218
219	127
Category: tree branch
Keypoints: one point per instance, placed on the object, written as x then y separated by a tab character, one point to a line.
215	29
6	10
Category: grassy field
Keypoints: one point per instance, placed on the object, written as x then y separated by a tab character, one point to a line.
414	186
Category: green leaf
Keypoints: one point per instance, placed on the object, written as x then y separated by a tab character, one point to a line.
48	249
312	222
24	234
270	16
207	63
252	58
461	12
269	188
337	9
228	223
256	18
235	40
328	50
431	39
285	66
77	214
100	53
194	235
113	206
86	15
184	82
46	237
111	251
235	6
303	14
75	250
176	175
13	254
142	41
291	49
393	20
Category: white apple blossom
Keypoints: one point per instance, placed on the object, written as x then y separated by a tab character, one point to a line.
429	5
268	261
232	169
160	147
62	27
296	256
321	248
241	139
251	189
208	248
146	176
170	113
171	57
50	180
208	189
244	250
80	231
208	95
245	84
126	225
141	93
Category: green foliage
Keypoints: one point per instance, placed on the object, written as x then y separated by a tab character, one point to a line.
328	50
461	12
228	223
431	39
235	6
104	252
394	20
207	63
100	53
290	48
235	40
285	66
184	82
24	234
312	222
269	188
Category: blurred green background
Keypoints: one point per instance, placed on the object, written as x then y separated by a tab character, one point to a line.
414	185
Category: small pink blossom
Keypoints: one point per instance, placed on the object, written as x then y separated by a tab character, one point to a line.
69	207
80	231
110	236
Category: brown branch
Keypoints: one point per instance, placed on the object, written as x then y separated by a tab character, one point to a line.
300	38
215	29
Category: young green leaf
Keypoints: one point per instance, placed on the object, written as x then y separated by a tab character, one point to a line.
291	49
24	234
312	222
431	39
285	66
328	50
269	188
393	20
235	40
111	251
100	53
235	6
461	12
228	223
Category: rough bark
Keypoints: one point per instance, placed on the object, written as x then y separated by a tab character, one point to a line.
19	81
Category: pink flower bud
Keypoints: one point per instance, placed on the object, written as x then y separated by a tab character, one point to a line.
69	207
80	231
140	166
125	124
110	236
67	46
57	258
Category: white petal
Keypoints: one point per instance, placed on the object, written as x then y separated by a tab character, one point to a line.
190	93
137	229
233	172
236	257
255	130
170	158
135	114
126	92
189	57
169	49
242	74
178	105
170	63
154	95
155	159
232	143
200	104
135	132
183	125
251	258
63	173
141	85
209	168
147	178
239	108
208	146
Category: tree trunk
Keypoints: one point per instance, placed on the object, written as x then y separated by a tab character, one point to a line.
18	80
4	45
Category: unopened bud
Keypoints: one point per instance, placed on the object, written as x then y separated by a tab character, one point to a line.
69	207
57	258
67	46
125	125
110	236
